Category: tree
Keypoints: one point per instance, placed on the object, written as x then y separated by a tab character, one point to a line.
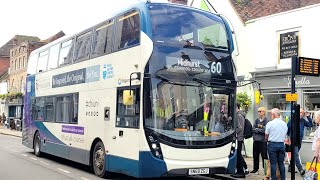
244	100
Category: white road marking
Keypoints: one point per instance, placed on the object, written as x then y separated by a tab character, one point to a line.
65	171
33	158
84	178
44	163
25	155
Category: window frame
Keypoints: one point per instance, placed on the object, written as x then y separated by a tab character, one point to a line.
116	18
134	88
94	37
71	48
83	33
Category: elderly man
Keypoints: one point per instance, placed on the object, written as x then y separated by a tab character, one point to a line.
305	121
276	131
259	142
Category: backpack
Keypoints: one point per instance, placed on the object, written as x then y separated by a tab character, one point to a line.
247	132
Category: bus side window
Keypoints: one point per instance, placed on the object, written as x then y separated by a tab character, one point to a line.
128	116
83	46
129	27
53	56
66	53
42	61
103	39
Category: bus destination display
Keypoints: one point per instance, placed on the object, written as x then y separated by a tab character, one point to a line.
308	66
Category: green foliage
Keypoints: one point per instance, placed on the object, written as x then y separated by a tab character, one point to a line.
244	100
11	95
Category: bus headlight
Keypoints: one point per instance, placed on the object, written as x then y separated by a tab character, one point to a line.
154	144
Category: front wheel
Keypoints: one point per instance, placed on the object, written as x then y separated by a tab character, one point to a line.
36	145
98	160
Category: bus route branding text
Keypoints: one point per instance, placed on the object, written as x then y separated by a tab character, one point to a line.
79	76
73	129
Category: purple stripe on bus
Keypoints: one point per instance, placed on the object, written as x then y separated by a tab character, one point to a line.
73	129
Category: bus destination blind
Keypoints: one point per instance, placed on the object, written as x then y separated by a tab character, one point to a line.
308	66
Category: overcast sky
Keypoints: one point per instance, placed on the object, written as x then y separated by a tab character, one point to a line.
44	18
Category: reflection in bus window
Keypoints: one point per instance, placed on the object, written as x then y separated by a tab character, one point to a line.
63	109
49	109
103	39
53	57
128	116
129	26
75	100
83	46
66	53
42	61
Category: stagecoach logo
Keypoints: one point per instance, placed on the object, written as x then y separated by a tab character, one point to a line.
107	71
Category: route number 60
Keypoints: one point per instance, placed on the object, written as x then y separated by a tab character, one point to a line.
216	67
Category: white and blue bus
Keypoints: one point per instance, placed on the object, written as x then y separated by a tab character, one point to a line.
149	92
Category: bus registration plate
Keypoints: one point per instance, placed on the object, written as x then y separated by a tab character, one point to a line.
199	171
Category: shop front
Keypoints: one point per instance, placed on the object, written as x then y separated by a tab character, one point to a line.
275	85
15	113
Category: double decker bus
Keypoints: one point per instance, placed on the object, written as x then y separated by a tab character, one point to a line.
149	92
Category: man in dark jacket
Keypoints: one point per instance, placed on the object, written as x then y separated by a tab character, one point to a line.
240	137
259	142
305	121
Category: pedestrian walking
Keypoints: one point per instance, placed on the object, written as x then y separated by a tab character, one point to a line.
276	131
259	141
240	137
305	121
316	137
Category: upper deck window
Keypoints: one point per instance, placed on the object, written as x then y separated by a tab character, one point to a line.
32	64
53	57
103	39
42	61
83	46
66	53
128	30
173	25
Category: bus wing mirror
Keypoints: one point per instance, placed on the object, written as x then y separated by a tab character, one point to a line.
127	97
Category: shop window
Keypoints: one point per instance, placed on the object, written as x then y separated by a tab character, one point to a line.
103	39
311	104
128	30
128	116
277	101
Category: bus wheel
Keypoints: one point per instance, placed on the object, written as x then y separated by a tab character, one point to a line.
36	144
98	160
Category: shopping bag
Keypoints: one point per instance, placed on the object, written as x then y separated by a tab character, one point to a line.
312	170
267	169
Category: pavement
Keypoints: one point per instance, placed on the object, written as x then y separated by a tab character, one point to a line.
249	160
5	131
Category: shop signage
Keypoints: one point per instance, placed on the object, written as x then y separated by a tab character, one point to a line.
291	97
308	66
289	44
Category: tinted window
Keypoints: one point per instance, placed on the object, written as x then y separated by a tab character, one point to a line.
38	112
63	109
103	39
83	46
66	53
128	116
190	28
42	61
128	30
75	100
53	57
49	108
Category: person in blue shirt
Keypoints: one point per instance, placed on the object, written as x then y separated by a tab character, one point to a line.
305	121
